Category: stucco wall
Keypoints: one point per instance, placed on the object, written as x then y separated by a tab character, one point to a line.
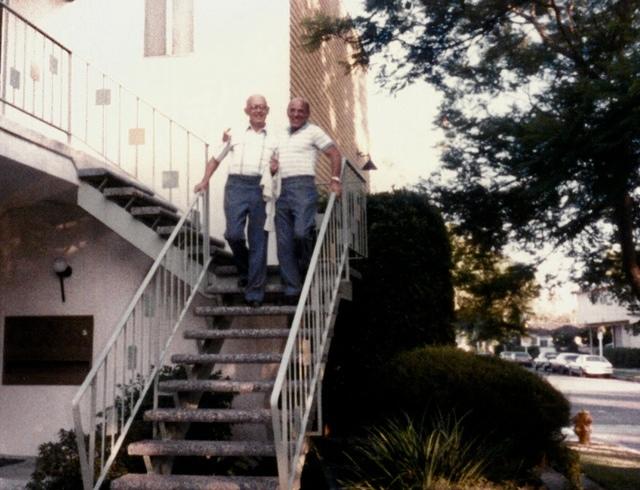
106	273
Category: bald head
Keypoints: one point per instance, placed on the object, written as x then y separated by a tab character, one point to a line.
298	112
257	109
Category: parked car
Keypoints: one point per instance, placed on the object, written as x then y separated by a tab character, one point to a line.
588	365
522	358
560	364
543	360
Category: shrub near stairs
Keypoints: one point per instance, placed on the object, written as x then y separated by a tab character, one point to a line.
516	412
58	465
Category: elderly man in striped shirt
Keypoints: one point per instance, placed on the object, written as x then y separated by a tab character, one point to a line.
251	150
296	207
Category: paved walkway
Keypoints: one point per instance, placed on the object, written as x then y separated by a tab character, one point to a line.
15	476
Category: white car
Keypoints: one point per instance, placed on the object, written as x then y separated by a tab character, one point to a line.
561	362
543	360
522	358
588	365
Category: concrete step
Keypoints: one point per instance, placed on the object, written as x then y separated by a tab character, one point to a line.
261	358
233	288
193	482
155	214
127	196
244	310
165	231
200	448
232	270
208	415
215	386
236	333
101	178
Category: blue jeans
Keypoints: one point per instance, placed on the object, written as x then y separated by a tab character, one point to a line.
295	229
243	200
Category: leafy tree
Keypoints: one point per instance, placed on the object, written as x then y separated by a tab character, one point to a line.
564	338
542	113
493	295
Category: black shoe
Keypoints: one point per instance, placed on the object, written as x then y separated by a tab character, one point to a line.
254	303
242	282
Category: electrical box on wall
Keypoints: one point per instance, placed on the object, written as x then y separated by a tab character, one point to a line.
47	350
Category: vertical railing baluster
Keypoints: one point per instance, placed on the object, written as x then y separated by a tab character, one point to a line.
92	425
3	54
137	126
24	67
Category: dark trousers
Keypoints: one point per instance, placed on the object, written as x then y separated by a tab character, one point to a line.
296	210
243	203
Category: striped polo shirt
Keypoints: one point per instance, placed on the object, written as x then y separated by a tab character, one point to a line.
249	151
298	150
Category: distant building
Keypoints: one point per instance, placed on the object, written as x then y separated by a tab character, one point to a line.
601	311
537	337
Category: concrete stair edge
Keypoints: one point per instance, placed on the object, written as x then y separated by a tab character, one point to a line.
216	386
209	415
193	482
235	333
260	358
151	447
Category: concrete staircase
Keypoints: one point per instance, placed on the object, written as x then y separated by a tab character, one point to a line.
245	345
143	205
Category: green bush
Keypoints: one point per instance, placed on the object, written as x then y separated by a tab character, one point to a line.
623	357
405	299
403	455
511	408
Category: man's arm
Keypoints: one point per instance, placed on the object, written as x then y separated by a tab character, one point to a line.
336	168
211	167
213	163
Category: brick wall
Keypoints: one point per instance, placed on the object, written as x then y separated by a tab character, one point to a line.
338	99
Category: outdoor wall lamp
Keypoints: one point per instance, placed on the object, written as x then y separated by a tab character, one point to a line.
368	165
62	270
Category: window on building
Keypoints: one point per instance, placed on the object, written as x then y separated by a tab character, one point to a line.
47	350
168	27
544	343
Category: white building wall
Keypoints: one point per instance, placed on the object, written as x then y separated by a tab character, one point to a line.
102	263
606	310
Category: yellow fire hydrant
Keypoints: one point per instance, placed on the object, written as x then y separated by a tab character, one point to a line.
582	426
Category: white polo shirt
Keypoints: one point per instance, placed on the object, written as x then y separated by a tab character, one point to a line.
298	150
249	150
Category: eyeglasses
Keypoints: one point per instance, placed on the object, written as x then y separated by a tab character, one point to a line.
258	107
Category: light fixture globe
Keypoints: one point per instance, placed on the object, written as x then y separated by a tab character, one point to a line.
62	270
60	265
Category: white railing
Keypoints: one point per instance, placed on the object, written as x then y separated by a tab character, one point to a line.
298	383
63	95
111	395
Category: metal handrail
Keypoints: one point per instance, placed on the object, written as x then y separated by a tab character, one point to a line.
121	376
46	81
298	382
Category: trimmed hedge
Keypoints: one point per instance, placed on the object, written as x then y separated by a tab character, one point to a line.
623	357
405	300
501	403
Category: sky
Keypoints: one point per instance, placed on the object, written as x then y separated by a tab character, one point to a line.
404	147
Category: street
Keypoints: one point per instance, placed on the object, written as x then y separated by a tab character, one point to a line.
614	406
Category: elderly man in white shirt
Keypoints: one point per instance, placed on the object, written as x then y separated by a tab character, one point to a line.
251	150
296	207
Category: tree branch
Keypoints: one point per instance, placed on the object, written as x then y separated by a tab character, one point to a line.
624	215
